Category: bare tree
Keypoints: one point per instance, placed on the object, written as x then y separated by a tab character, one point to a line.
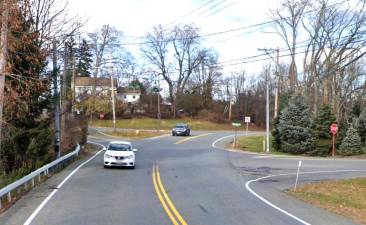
187	53
156	52
288	21
183	46
337	40
206	78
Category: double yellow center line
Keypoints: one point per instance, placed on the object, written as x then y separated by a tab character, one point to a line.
190	138
164	199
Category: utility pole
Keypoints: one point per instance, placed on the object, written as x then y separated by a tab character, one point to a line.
276	61
56	101
64	100
113	101
230	109
277	84
267	112
3	62
159	113
73	85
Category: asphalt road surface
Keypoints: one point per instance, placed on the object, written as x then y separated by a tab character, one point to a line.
182	180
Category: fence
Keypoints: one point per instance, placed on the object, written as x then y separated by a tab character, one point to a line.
30	178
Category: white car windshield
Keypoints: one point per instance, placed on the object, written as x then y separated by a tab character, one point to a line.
119	147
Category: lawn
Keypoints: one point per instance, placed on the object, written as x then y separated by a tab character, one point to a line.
149	123
136	135
255	144
345	197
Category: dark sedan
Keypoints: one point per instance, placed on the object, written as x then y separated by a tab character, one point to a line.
181	129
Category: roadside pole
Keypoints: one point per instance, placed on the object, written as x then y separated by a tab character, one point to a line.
267	113
113	102
235	125
247	121
297	175
333	130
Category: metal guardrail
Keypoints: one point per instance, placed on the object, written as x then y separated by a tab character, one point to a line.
35	175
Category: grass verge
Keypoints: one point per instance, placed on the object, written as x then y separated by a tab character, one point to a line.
166	124
345	197
136	134
255	144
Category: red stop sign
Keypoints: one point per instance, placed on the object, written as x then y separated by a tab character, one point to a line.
334	128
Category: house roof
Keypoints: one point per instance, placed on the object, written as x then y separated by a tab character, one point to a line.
90	81
127	90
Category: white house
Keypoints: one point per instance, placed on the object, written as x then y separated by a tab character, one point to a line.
128	95
84	86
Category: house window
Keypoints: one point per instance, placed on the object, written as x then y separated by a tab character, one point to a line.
133	97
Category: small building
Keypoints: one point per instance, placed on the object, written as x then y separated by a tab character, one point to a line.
128	95
84	86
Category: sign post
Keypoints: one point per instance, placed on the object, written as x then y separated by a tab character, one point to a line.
333	130
236	125
297	174
247	121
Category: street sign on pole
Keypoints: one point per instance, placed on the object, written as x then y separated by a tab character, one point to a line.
247	121
236	124
333	130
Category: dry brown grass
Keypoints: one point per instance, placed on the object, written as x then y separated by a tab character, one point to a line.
346	197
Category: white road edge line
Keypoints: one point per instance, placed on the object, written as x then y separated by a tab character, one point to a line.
39	208
220	139
247	186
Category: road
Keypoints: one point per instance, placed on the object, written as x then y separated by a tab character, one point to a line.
182	180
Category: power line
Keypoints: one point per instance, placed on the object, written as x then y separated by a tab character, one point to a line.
189	13
231	30
225	7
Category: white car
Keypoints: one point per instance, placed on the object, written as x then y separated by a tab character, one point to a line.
119	153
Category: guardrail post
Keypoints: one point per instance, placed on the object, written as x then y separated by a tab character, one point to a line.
0	203
9	196
32	182
25	186
39	178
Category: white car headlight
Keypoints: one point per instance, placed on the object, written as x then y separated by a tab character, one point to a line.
130	157
108	156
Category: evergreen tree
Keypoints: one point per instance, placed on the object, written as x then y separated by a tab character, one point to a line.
137	85
351	144
84	59
361	126
295	127
322	122
284	100
27	136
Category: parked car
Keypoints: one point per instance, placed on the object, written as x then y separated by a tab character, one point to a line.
181	129
120	153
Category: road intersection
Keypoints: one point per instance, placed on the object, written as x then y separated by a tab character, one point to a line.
197	180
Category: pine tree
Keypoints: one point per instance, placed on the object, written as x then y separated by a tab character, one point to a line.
84	59
351	144
361	126
322	122
284	101
295	127
27	138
